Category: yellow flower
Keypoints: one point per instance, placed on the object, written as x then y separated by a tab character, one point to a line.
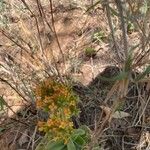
39	103
52	107
67	112
59	123
70	124
72	103
63	125
46	99
66	140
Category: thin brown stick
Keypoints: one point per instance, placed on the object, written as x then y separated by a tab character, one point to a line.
13	41
43	14
54	29
5	81
123	26
24	123
37	25
106	4
7	105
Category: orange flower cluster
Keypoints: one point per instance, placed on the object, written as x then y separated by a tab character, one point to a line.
61	104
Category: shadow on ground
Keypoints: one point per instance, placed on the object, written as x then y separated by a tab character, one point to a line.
120	133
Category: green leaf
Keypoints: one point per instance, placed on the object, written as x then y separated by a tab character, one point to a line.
128	63
81	136
71	145
79	132
142	75
55	146
79	141
130	27
99	36
90	51
2	129
2	103
144	8
85	128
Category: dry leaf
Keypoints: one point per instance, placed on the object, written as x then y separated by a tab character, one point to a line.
120	114
116	114
106	110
